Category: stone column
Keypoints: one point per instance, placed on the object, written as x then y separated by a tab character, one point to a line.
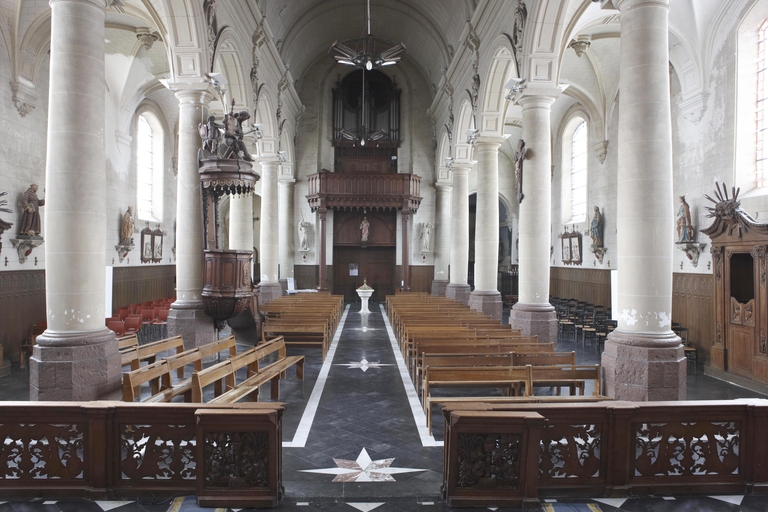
442	238
458	289
643	358
406	257
322	213
287	230
486	297
269	286
76	358
186	317
241	223
533	314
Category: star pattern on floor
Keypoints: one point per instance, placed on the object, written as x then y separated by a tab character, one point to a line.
364	364
364	469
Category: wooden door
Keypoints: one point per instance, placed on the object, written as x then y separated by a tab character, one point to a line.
741	313
353	264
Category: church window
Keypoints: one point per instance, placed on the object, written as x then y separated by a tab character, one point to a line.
761	118
579	173
149	165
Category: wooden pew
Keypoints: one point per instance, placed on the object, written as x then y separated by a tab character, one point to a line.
572	376
150	351
507	377
255	376
159	374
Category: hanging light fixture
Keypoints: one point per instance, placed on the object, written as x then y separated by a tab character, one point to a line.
367	52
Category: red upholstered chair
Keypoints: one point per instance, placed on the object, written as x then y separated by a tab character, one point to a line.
123	314
162	323
147	319
118	326
133	324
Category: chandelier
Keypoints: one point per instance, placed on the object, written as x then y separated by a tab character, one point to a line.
367	52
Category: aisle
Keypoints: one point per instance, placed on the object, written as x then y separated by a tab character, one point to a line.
363	440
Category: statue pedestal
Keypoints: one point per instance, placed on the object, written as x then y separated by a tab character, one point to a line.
364	292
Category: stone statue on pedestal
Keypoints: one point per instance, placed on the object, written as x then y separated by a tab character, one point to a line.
30	217
126	228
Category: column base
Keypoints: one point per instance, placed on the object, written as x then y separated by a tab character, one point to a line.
75	366
458	292
487	302
188	320
644	367
439	286
269	291
535	320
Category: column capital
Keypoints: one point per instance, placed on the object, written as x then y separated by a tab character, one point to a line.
538	98
627	5
460	169
100	4
201	93
287	182
271	161
489	143
443	186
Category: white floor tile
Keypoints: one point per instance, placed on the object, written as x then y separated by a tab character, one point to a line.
365	507
109	505
614	502
736	500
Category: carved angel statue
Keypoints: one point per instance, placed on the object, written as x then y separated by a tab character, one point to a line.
425	235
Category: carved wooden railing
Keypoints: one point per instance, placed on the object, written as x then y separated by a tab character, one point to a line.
228	455
347	190
604	449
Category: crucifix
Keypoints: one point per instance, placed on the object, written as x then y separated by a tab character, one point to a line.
519	157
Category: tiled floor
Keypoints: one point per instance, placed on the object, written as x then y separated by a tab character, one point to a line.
354	440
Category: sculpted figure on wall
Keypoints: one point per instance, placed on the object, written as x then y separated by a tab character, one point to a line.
596	229
364	226
425	235
30	217
303	236
126	228
684	225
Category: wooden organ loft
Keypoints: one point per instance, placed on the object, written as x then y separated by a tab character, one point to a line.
365	187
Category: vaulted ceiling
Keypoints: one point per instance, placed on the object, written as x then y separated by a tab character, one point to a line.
306	29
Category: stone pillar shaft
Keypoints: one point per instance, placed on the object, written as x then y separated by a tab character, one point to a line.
186	317
643	358
269	287
241	223
76	358
193	108
406	258
533	314
321	216
442	238
486	297
458	288
287	228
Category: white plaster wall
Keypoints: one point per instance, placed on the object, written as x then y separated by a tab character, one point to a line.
22	160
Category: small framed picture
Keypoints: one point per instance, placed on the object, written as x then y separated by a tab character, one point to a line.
565	241
157	245
353	270
147	245
575	248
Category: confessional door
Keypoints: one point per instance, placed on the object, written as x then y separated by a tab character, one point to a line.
742	341
353	264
